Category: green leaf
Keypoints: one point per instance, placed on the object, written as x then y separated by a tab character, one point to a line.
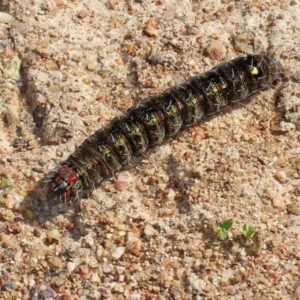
223	228
4	183
222	234
228	224
248	231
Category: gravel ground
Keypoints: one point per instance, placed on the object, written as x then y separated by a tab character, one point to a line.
68	67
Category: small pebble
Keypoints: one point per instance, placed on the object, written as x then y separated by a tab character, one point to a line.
89	241
55	262
11	68
51	65
118	288
66	297
297	76
5	18
54	88
150	230
8	52
84	271
227	275
121	185
280	176
53	235
31	282
208	253
157	58
119	251
58	281
95	278
6	215
91	66
70	267
107	268
16	227
134	247
171	195
276	239
196	283
216	50
230	290
293	208
29	214
233	152
149	29
99	251
56	75
120	269
279	203
82	14
248	295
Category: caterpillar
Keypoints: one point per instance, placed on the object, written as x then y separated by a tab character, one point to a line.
158	117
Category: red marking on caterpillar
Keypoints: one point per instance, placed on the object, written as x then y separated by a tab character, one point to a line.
63	181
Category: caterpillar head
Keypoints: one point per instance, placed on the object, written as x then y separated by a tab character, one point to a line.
63	182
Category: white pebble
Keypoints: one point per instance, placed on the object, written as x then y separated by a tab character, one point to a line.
4	17
119	251
171	194
56	75
70	267
89	241
227	275
31	282
95	278
107	268
149	230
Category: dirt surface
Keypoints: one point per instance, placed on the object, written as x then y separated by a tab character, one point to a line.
68	68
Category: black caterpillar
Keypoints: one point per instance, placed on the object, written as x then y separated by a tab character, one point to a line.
157	117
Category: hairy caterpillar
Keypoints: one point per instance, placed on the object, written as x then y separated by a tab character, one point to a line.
157	117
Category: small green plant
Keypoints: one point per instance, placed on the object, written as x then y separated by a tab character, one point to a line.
250	233
223	228
4	185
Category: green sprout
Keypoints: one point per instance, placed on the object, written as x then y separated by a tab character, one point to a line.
4	185
223	228
250	233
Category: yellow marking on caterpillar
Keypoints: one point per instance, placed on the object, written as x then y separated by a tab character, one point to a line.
255	71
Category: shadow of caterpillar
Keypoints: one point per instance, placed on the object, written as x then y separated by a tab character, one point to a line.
157	117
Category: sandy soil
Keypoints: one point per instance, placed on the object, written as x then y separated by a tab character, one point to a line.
68	67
